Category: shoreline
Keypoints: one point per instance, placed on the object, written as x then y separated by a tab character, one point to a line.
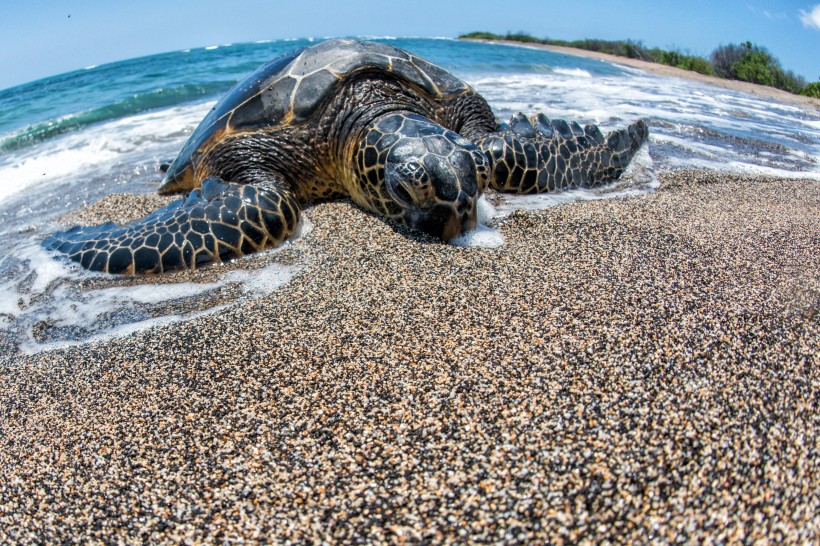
618	367
673	72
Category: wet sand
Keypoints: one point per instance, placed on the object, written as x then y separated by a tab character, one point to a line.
638	369
673	72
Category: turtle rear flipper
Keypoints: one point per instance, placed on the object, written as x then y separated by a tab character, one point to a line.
538	155
220	221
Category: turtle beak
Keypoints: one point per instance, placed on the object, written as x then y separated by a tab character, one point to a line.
456	227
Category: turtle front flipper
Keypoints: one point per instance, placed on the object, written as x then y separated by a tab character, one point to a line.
220	221
538	155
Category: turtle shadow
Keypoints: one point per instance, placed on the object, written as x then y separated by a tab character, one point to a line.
411	233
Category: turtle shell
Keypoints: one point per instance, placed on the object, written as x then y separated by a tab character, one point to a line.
291	88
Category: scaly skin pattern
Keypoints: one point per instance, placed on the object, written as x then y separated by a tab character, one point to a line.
399	136
538	155
213	224
399	159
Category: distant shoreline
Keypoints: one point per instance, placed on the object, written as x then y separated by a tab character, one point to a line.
672	72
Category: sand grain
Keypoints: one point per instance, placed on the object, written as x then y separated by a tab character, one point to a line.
640	369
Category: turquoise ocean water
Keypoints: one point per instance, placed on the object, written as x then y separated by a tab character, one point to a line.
73	138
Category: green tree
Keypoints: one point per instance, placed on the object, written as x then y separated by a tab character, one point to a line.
811	90
751	63
756	66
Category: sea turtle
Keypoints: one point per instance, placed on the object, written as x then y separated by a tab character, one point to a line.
400	136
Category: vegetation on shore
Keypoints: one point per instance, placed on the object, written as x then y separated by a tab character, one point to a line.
744	62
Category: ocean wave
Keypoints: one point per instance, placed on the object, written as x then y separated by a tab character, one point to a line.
127	142
574	72
144	102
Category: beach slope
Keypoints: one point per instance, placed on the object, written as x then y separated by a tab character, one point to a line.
642	369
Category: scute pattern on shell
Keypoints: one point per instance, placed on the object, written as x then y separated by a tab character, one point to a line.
310	77
290	88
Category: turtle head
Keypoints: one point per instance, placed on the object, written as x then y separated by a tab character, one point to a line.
432	175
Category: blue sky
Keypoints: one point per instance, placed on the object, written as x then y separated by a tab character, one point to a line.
46	37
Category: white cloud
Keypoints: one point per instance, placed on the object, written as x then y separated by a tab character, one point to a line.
779	16
811	19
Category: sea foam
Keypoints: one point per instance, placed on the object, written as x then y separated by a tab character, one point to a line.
40	292
483	235
98	148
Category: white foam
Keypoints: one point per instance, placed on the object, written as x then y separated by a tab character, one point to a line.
263	281
49	289
480	236
97	148
49	166
574	72
8	300
46	269
87	310
483	235
709	151
640	172
485	211
740	167
41	271
85	313
303	229
510	203
32	347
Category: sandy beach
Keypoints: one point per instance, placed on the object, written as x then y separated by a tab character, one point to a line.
673	72
637	369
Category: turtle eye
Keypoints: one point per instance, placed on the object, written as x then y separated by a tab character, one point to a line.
401	195
396	178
